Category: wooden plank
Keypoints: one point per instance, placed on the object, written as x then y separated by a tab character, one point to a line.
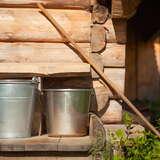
45	143
117	75
39	52
29	25
74	144
116	30
124	8
13	157
43	69
114	55
77	4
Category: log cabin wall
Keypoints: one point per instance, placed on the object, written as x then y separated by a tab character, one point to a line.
30	44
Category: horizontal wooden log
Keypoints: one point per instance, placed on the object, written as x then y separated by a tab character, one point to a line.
116	30
29	25
117	75
43	69
78	4
39	52
45	143
14	156
113	113
124	8
114	55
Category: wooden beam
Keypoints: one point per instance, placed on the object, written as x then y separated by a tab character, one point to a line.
76	4
29	25
114	55
124	8
43	69
39	52
117	75
45	143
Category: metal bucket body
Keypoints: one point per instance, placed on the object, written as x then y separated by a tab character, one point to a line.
17	98
67	111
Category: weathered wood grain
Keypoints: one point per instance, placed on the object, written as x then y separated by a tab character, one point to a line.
43	69
114	55
100	97
124	8
98	38
100	14
78	4
39	52
113	113
117	75
30	25
98	59
116	30
45	143
81	157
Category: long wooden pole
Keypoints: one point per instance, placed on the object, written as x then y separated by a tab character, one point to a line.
89	60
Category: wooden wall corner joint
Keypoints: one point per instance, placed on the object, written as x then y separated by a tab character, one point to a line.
98	38
100	14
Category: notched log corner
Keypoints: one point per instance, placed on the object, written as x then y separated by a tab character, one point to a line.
98	38
100	14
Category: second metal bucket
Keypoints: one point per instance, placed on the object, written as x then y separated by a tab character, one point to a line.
67	111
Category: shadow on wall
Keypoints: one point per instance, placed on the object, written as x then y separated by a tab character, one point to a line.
143	53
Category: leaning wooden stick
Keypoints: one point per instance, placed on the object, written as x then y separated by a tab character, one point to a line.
89	60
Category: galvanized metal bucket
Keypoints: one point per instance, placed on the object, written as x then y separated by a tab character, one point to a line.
67	111
17	99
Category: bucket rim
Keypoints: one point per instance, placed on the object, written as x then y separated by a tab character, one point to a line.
17	81
67	89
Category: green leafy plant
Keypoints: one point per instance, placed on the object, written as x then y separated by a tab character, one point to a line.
146	147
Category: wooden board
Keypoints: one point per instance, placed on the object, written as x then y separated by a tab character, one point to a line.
114	55
117	75
39	52
45	143
78	4
116	30
21	157
43	69
124	8
31	26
